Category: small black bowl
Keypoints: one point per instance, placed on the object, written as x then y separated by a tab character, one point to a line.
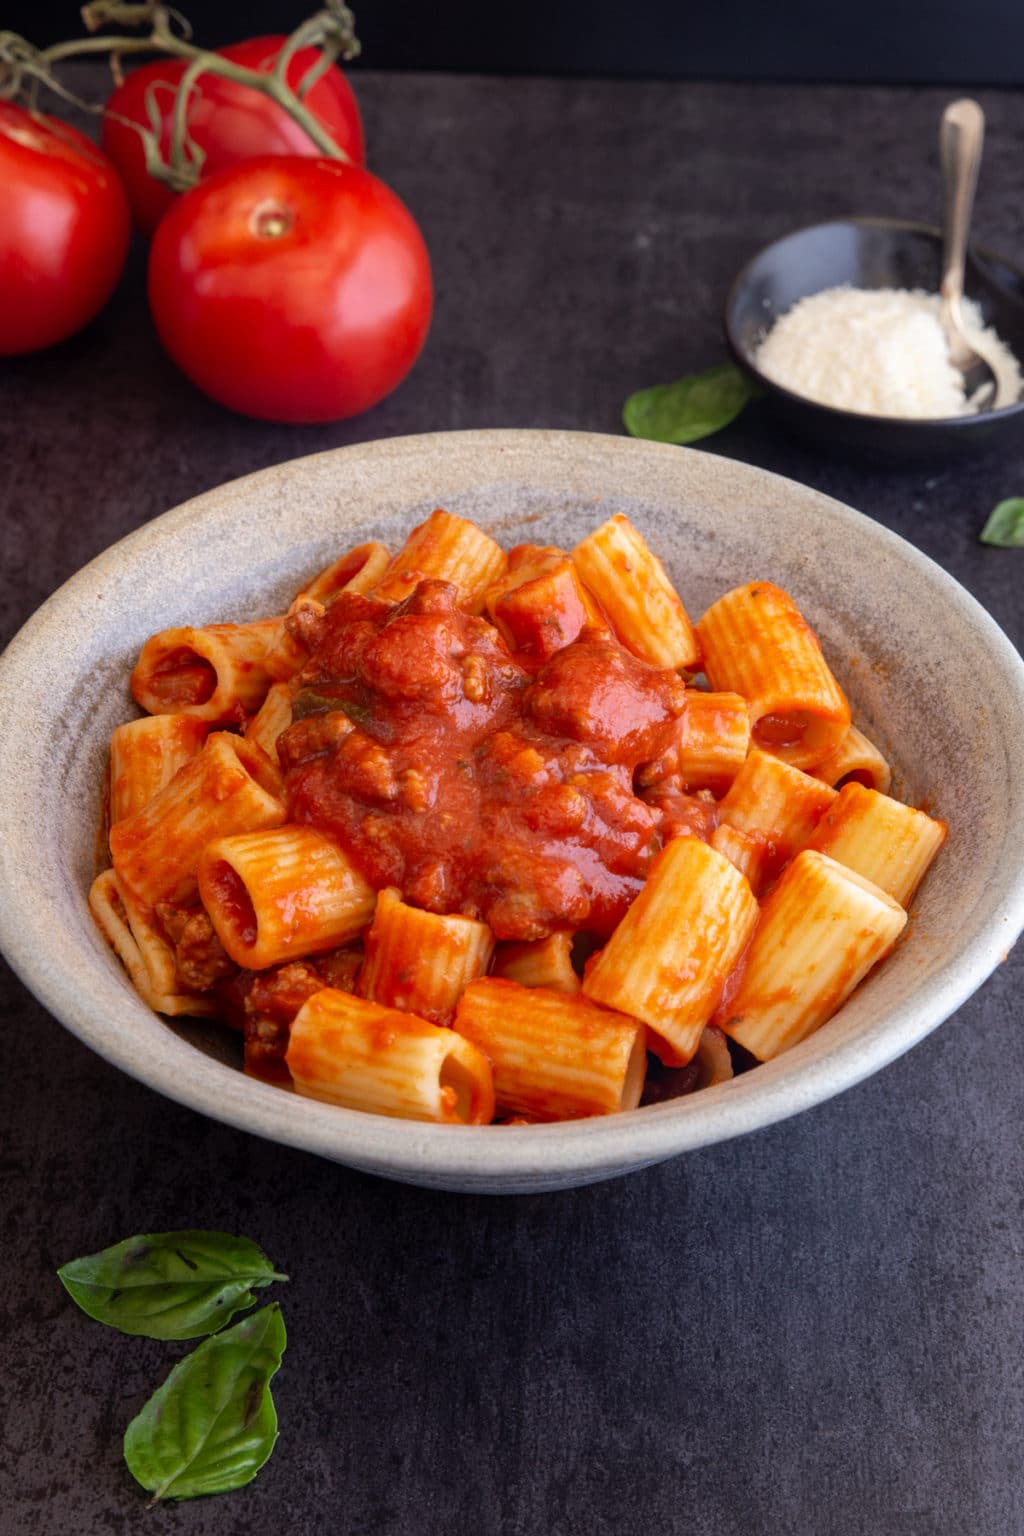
873	253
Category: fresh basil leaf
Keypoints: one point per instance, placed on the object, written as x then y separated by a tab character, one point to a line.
359	714
169	1285
690	408
1005	526
311	702
213	1424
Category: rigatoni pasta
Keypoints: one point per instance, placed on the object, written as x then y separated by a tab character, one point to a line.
155	949
752	853
668	960
444	548
107	905
146	754
756	642
542	963
231	786
359	1054
631	585
708	745
266	725
821	930
217	674
358	570
770	800
280	894
465	835
888	843
856	758
422	961
555	1056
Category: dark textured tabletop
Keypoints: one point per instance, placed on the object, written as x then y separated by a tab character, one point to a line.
818	1330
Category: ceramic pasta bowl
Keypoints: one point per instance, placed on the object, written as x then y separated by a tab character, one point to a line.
930	676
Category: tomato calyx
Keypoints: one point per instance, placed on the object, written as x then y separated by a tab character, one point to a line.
331	30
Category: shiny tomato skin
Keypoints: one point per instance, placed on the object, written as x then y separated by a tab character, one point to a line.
290	289
64	230
227	121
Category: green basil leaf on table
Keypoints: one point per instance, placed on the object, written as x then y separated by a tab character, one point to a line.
690	408
213	1424
1005	526
169	1285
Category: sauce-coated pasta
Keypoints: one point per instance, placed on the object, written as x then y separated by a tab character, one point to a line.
467	836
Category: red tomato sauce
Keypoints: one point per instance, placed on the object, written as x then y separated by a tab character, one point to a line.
445	767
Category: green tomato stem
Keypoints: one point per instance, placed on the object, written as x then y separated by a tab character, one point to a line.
331	30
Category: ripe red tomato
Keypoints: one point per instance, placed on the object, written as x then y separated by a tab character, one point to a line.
63	232
228	122
291	289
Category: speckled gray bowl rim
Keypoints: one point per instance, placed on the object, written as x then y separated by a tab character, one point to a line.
74	977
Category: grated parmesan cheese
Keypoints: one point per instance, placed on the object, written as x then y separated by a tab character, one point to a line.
881	352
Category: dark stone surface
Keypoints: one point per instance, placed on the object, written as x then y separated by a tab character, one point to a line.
814	1330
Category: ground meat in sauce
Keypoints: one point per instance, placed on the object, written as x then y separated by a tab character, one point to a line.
263	1004
447	767
200	959
681	814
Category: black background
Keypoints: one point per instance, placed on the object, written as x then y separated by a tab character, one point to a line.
874	40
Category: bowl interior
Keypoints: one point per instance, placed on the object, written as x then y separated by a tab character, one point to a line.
866	253
929	674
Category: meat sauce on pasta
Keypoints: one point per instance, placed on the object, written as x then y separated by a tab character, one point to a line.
469	782
468	835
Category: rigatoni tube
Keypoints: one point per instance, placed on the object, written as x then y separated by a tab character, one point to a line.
751	852
540	963
708	746
216	673
347	1050
632	586
856	758
667	961
444	548
887	842
754	641
821	930
420	961
775	801
231	786
146	754
713	1062
357	570
280	894
555	1057
106	903
273	716
159	955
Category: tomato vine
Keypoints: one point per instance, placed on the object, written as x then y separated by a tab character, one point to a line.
25	68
